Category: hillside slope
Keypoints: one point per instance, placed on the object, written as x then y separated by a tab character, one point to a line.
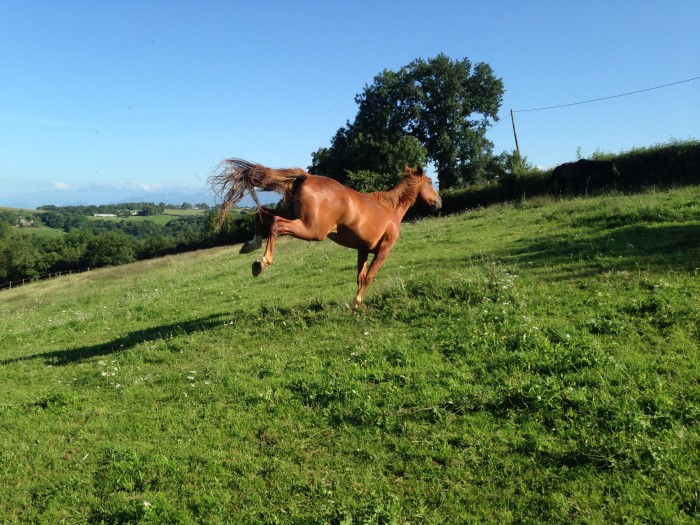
536	362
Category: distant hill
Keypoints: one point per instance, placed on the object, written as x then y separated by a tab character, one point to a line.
111	194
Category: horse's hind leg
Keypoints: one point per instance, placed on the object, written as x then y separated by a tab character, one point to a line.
263	219
256	241
281	226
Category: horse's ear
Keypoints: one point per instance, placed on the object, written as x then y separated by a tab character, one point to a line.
419	171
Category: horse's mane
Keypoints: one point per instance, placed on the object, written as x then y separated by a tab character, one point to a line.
403	194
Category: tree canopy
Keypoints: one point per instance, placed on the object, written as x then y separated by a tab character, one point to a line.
436	110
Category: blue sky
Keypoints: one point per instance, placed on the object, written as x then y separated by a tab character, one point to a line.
155	94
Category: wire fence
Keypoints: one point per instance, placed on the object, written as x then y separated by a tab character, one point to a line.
8	285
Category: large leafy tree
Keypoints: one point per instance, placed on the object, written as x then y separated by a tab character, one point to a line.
435	110
355	150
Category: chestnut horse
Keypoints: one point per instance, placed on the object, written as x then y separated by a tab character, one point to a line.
317	207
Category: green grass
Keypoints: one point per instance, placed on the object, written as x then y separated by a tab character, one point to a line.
527	363
43	231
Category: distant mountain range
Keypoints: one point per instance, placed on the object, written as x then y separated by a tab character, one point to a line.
107	194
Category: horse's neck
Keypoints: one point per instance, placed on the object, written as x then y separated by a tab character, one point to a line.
400	198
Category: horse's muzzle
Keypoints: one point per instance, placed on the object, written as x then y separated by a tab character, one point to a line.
437	204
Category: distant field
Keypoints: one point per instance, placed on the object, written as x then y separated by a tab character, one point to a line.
34	215
28	210
43	231
161	219
530	363
185	212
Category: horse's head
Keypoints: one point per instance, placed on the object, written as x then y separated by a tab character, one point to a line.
426	192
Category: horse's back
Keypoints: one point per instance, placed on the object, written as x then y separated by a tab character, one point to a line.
327	191
323	192
350	218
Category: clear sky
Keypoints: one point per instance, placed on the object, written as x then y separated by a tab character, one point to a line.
156	93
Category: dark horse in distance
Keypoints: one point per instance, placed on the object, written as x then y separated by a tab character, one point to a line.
581	172
317	207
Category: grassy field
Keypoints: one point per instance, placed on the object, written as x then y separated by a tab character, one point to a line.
34	215
160	219
530	363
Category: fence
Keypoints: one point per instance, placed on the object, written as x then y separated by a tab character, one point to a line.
14	284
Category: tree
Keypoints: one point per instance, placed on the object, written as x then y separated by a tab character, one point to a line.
353	151
109	249
148	209
442	106
5	241
19	256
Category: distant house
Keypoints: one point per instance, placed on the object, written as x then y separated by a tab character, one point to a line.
24	223
104	214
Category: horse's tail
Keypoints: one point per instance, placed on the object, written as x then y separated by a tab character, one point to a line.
232	178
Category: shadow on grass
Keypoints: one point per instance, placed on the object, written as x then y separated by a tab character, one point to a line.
671	247
130	340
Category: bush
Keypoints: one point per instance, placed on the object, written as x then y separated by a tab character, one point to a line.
674	163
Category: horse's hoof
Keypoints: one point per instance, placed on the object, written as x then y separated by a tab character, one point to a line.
246	248
257	268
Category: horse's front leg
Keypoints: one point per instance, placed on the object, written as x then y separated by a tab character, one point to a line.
374	266
362	257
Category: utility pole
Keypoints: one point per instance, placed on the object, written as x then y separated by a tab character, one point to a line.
515	134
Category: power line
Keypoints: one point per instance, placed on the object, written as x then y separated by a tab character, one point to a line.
489	128
605	98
